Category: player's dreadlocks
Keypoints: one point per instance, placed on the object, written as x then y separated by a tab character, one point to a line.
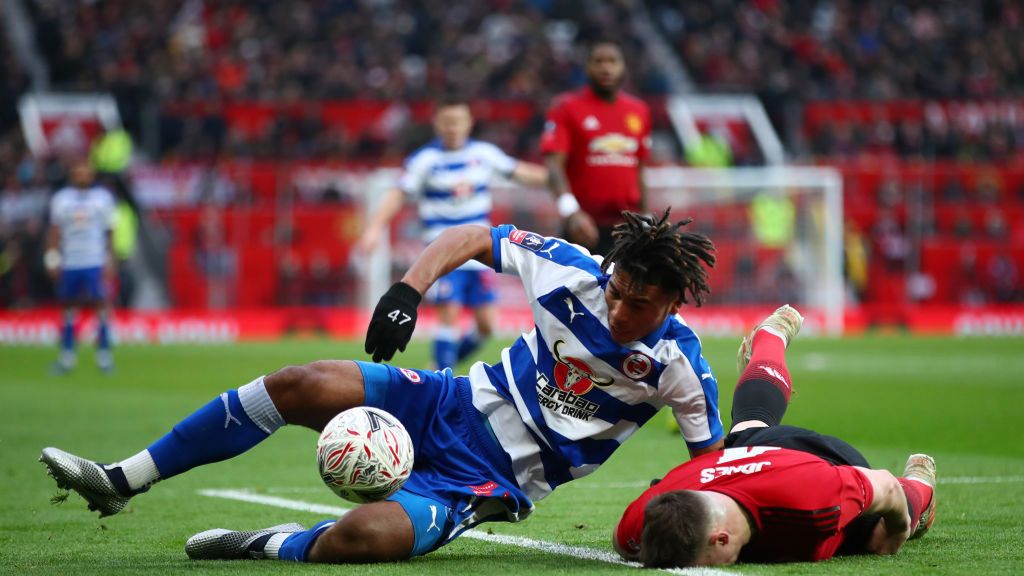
653	251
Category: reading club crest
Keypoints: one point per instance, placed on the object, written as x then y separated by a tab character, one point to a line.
410	375
637	365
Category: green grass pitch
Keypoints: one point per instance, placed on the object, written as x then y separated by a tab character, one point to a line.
959	400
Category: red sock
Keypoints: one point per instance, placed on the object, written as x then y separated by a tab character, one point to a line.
919	495
768	362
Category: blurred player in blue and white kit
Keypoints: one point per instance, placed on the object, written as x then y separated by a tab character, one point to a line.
607	351
78	252
450	178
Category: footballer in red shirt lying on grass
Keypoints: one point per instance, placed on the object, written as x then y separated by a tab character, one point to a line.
775	493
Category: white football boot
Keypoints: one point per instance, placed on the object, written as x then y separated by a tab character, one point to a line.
222	544
86	478
921	467
785	321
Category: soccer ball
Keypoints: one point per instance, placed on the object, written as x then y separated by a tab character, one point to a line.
364	454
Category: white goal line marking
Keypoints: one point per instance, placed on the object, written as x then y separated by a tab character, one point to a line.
941	480
541	545
638	484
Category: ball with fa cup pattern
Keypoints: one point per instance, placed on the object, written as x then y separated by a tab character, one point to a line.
364	454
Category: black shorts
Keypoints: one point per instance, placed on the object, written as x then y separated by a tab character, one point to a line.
828	448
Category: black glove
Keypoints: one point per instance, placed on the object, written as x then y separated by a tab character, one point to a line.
393	321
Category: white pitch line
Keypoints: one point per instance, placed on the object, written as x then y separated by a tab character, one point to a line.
981	480
639	484
541	545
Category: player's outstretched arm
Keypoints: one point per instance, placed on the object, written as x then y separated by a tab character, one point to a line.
889	501
579	226
389	206
52	257
394	318
707	449
530	174
453	248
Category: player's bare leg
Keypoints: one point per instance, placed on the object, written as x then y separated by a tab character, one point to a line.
486	317
67	357
311	394
376	532
104	355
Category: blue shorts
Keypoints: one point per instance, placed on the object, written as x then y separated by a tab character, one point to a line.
81	285
461	476
470	288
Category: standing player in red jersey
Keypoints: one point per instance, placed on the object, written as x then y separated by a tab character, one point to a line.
595	143
776	493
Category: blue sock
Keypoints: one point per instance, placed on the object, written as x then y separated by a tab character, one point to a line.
446	347
219	430
103	334
67	335
296	547
469	344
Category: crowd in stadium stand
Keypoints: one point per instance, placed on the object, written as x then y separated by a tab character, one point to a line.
790	53
189	56
192	57
182	62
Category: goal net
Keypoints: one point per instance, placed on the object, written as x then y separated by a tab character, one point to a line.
777	232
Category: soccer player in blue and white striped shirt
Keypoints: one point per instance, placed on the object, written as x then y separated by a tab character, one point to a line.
607	351
79	249
449	178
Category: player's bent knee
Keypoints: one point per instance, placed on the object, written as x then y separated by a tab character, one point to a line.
378	532
311	394
484	330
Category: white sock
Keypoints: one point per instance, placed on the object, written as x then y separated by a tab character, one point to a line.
273	546
259	407
140	470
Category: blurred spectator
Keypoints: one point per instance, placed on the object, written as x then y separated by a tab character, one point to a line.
1003	279
967	281
290	285
995	224
23	203
773	218
963	226
855	250
217	259
711	151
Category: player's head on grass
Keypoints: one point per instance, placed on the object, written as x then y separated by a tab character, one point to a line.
453	121
681	530
658	268
606	67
